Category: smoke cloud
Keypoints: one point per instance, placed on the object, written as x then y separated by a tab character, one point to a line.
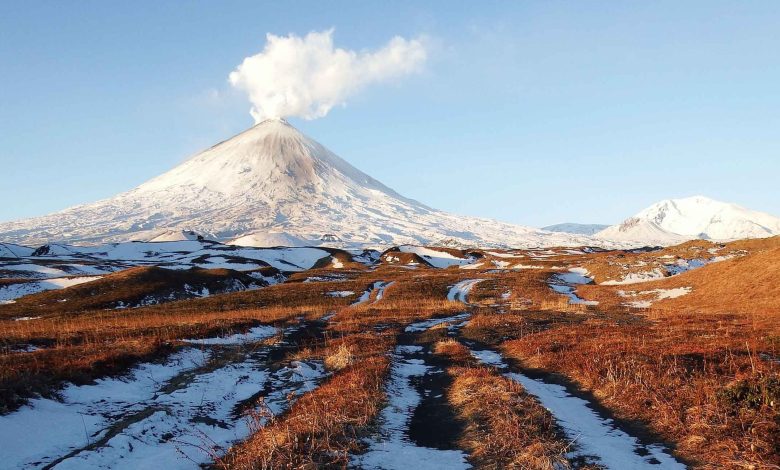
306	76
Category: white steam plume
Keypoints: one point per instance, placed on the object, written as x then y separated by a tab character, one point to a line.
306	76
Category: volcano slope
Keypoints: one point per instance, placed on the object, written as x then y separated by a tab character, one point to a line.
361	361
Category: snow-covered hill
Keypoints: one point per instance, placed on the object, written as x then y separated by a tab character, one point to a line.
577	229
264	186
675	220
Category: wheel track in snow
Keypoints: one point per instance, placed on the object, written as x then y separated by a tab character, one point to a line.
597	438
417	428
131	421
276	387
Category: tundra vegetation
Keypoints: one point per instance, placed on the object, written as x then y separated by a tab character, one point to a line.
678	346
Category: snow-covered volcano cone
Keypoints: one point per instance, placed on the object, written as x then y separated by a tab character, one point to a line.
266	184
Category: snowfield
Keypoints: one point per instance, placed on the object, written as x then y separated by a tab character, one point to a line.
9	293
437	258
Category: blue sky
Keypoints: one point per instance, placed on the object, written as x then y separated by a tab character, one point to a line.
527	112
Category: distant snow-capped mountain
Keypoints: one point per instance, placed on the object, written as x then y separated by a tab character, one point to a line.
675	220
270	185
578	229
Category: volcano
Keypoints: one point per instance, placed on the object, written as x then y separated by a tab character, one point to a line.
269	185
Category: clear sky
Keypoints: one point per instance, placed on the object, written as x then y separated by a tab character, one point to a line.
528	112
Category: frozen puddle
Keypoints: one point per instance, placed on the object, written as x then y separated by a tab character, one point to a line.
392	448
565	283
461	290
596	438
176	415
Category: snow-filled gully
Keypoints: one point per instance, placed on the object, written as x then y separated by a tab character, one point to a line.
179	414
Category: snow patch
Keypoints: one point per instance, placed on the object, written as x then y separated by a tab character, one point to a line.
254	334
657	294
340	293
460	291
564	283
437	258
11	292
635	278
424	325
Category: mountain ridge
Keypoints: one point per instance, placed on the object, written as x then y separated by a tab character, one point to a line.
673	221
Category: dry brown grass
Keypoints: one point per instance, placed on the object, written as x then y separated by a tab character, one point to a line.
84	345
492	328
505	427
128	287
749	285
705	382
698	381
325	425
393	313
399	258
82	348
746	285
340	358
455	351
615	265
529	290
413	296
